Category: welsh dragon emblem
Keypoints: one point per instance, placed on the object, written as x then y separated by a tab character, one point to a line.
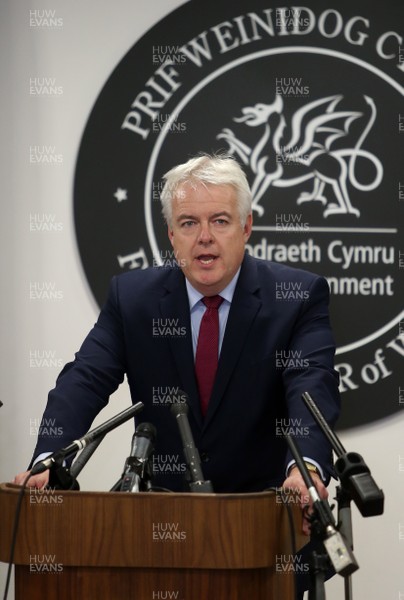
307	140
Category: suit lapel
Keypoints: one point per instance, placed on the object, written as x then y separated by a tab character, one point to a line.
243	311
175	305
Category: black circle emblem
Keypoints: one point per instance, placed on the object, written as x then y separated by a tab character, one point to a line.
313	115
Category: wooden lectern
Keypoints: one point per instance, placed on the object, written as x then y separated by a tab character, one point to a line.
117	546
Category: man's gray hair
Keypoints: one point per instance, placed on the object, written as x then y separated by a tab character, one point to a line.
217	169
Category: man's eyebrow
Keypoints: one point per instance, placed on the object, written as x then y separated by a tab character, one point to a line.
186	217
222	213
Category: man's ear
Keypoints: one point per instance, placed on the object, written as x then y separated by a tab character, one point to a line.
170	234
248	227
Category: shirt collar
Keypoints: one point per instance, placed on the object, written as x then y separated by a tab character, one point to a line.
227	294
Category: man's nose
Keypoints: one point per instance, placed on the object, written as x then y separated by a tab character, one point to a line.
205	234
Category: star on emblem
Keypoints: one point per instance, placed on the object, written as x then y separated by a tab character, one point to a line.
121	194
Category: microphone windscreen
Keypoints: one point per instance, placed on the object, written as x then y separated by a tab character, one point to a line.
179	408
146	430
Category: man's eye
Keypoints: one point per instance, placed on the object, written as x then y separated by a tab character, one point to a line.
187	223
221	222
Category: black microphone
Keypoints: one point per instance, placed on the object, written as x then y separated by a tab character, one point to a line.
137	474
351	468
101	430
84	457
198	483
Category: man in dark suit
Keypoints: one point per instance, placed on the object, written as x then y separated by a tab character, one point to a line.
267	349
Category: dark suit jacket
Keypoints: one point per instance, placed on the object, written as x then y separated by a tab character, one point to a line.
277	344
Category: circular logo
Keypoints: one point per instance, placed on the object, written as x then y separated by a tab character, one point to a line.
297	96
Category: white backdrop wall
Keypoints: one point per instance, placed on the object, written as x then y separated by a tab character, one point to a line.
76	57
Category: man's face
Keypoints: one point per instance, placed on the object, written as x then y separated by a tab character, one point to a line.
207	235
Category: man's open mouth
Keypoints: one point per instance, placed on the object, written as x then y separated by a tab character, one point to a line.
206	259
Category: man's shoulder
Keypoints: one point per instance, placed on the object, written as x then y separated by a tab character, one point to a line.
146	281
280	271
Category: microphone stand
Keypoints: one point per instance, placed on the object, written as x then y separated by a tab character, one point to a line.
323	529
60	477
137	473
351	469
356	484
345	525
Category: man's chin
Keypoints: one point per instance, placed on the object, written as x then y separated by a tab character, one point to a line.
207	285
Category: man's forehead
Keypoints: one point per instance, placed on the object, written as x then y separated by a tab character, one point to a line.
200	190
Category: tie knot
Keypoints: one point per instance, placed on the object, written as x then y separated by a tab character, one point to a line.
212	301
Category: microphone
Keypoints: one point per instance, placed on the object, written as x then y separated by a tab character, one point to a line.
136	474
198	483
84	457
101	430
351	468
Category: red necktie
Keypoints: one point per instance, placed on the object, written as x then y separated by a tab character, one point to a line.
207	350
